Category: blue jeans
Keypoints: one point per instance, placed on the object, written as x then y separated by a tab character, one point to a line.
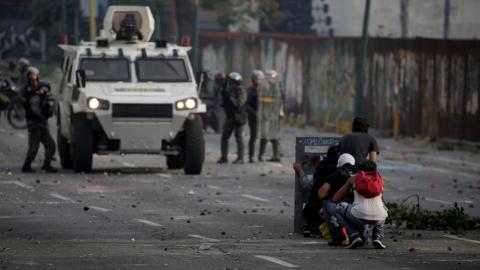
329	210
343	212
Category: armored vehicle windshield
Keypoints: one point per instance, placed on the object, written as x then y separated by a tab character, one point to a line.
106	69
162	70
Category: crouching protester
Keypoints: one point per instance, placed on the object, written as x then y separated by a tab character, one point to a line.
345	169
311	210
367	207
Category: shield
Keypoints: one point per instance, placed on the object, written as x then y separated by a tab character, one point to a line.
269	105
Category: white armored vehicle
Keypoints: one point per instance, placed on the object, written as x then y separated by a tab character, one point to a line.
123	94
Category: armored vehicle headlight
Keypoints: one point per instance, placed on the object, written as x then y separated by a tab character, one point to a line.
180	105
98	104
93	103
191	103
186	104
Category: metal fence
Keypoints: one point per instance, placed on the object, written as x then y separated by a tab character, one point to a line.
416	87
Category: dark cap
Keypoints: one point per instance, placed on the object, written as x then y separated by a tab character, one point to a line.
360	124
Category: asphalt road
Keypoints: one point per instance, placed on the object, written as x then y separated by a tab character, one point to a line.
132	213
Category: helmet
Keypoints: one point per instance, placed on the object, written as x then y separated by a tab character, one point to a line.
235	77
271	74
220	76
257	75
23	61
31	70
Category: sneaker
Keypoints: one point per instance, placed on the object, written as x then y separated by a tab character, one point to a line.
307	231
49	168
238	161
377	243
355	242
27	169
222	161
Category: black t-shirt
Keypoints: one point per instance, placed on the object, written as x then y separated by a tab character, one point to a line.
324	169
359	145
338	179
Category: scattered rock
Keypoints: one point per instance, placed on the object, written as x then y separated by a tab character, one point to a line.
223	233
412	249
218	193
165	249
86	208
244	211
449	248
134	206
188	221
281	211
37	181
263	175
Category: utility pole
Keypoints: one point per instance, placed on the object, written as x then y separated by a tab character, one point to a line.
91	21
361	60
195	36
446	22
64	17
404	17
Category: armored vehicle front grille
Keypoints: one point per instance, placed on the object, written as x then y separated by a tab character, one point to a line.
142	111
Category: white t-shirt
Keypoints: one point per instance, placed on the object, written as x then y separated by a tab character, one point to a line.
369	208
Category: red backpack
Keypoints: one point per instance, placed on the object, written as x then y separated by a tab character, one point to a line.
368	184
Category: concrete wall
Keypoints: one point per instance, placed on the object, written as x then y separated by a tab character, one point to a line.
419	87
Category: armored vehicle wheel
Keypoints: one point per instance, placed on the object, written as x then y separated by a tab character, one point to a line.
64	150
81	144
175	162
194	146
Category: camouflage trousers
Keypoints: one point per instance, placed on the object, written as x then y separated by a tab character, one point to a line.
229	128
39	133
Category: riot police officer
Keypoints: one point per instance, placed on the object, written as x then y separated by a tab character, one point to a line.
257	77
270	103
129	29
234	100
23	64
39	106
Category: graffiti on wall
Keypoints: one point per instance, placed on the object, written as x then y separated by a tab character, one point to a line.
429	87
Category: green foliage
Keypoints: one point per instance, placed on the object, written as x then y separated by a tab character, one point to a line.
413	217
232	11
46	13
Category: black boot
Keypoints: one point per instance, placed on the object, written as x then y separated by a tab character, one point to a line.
48	168
263	147
222	161
27	168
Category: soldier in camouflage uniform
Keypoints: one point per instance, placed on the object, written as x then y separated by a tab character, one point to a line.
38	107
234	100
252	109
270	103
